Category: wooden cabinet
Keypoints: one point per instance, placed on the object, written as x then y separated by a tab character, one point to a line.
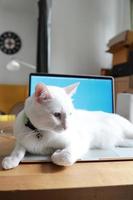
124	84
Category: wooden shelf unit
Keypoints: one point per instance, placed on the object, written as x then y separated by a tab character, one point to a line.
124	84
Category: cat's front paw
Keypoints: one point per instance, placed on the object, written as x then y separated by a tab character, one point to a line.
9	163
62	157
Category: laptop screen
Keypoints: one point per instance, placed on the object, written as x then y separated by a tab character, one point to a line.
94	93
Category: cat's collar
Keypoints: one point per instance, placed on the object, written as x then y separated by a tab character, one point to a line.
28	124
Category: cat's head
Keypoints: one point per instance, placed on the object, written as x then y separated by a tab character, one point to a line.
50	107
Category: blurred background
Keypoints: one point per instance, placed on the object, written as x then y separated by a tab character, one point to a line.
71	35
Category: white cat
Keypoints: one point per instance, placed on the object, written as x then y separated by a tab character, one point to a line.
49	125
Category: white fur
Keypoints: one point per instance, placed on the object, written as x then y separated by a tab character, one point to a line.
68	138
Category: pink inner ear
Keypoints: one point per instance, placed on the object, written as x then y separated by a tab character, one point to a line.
41	93
39	89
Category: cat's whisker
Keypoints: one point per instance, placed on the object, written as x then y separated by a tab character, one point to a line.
30	133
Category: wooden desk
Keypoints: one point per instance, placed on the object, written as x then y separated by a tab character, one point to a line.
82	181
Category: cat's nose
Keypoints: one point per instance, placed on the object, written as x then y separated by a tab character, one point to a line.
64	123
64	126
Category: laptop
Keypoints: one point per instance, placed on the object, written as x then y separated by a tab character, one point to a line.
94	93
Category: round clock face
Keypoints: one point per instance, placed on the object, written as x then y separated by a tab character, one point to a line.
10	43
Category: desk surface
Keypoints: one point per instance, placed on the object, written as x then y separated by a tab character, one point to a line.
47	176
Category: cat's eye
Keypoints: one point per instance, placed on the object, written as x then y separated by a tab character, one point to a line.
57	114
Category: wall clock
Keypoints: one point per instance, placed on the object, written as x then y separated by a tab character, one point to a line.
10	43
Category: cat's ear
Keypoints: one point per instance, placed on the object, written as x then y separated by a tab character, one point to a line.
41	93
71	89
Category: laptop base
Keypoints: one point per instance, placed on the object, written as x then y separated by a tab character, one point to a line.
118	153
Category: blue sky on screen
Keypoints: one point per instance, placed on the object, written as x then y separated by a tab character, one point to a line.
92	93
